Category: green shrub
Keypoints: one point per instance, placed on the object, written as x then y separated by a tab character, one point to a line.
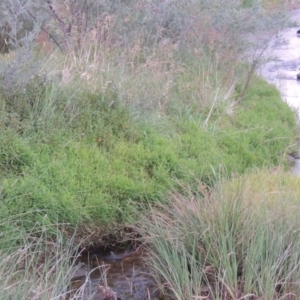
25	101
104	164
104	118
15	154
35	201
264	126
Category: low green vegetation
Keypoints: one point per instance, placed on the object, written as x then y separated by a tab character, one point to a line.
105	162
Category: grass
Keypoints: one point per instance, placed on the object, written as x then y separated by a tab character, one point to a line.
35	264
96	169
40	263
239	239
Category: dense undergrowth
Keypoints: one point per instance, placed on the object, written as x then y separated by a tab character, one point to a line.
107	117
99	166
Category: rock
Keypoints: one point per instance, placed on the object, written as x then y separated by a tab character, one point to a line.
298	76
298	32
105	293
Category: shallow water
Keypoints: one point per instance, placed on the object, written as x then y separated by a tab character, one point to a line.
283	72
123	272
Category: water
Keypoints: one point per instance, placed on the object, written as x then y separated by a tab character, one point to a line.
283	72
124	272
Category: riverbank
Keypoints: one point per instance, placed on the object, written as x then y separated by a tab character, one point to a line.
99	184
97	130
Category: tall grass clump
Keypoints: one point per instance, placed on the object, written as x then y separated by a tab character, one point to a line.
40	263
36	263
239	240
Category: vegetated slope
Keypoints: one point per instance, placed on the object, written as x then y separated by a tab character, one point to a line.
125	107
101	174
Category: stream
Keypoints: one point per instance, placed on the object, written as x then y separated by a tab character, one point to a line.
283	71
113	274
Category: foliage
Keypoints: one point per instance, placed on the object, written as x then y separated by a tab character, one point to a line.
20	22
239	239
94	162
14	154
